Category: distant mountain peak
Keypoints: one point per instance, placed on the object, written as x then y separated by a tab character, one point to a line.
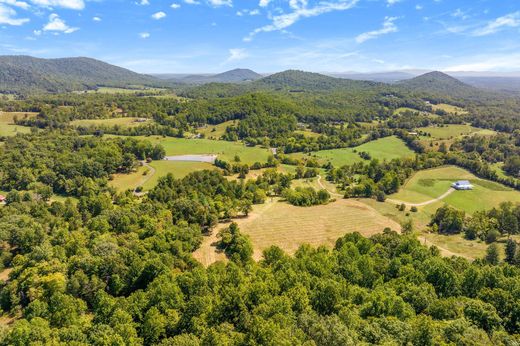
438	82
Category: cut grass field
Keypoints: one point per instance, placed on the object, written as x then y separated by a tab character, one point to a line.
449	108
225	150
428	184
7	126
281	224
216	131
123	122
387	148
179	169
453	131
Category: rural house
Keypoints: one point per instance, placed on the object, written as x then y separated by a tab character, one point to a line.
462	185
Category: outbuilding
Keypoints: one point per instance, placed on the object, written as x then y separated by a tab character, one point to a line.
462	185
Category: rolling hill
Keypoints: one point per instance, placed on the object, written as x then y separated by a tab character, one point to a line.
24	73
439	83
308	81
233	76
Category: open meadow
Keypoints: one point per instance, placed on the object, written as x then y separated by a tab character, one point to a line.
122	122
281	224
7	125
453	131
387	148
429	184
225	150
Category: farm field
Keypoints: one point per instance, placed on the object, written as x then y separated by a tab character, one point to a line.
454	130
123	122
179	169
7	126
383	149
123	182
225	150
281	224
449	108
216	131
429	184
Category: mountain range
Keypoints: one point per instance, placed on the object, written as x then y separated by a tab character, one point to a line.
25	74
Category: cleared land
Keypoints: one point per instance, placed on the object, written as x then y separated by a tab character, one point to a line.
216	131
7	126
387	148
225	150
449	108
179	169
281	224
428	184
453	131
123	122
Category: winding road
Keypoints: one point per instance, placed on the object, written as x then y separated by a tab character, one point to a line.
325	188
441	197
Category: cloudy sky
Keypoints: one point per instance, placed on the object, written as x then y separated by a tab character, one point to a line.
187	36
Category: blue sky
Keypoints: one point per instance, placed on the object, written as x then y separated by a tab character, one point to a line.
187	36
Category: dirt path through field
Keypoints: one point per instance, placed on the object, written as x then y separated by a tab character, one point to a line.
151	172
325	188
444	252
441	197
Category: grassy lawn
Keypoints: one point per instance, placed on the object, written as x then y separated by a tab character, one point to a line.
281	224
123	182
382	149
123	122
225	150
179	169
428	184
216	131
7	126
454	130
449	108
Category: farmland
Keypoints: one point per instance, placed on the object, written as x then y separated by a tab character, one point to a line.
453	130
428	184
383	149
123	122
278	223
215	131
7	126
225	150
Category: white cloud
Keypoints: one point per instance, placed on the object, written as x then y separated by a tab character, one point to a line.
217	3
159	15
192	2
96	19
392	2
254	12
388	27
264	3
236	54
8	16
57	24
16	3
418	7
460	14
143	3
70	4
144	35
511	20
175	6
301	10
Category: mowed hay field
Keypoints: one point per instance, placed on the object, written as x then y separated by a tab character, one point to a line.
7	126
225	150
453	131
123	122
216	131
281	224
429	184
179	169
449	108
387	148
